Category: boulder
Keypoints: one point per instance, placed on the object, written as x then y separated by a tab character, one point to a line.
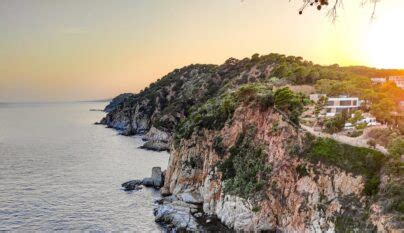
132	185
155	134
157	177
155	145
148	182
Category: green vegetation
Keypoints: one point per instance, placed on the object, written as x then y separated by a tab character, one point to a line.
396	147
245	172
336	123
289	102
357	116
214	114
359	161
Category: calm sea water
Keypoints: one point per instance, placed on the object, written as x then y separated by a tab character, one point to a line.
59	171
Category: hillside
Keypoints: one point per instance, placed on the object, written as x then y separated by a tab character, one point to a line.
237	151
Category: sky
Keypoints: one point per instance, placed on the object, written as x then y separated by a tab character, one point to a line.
68	50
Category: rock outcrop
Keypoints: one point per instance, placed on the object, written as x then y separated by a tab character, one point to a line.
117	101
297	196
156	181
237	153
156	140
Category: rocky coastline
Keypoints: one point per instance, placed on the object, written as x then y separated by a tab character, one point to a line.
238	159
177	213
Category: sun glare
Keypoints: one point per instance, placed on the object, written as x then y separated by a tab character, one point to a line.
385	41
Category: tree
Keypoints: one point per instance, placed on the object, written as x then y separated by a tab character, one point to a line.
330	87
320	105
337	123
357	116
289	102
382	109
333	6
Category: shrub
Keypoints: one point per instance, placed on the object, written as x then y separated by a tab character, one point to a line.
396	147
266	100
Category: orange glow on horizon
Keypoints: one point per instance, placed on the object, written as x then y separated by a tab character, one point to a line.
385	41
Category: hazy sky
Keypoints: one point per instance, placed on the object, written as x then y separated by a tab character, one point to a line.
91	49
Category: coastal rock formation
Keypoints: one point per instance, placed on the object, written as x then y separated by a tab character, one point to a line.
166	102
156	140
132	185
298	195
156	181
176	214
237	152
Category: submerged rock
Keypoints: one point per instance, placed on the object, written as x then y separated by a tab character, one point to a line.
156	181
156	146
132	185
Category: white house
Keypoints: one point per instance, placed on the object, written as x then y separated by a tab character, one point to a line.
337	105
377	80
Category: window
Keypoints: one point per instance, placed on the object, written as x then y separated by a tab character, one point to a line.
346	103
330	103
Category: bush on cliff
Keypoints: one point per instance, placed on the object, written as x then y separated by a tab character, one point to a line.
289	102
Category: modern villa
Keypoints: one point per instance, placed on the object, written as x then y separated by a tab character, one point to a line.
377	80
337	105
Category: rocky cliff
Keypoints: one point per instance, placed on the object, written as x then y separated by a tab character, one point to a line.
170	99
259	172
237	152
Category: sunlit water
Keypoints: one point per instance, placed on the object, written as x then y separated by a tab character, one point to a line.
59	171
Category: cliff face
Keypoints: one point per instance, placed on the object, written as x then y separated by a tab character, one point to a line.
237	152
295	196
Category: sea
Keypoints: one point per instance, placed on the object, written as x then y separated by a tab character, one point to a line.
61	172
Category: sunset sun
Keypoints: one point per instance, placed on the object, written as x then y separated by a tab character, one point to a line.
384	43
